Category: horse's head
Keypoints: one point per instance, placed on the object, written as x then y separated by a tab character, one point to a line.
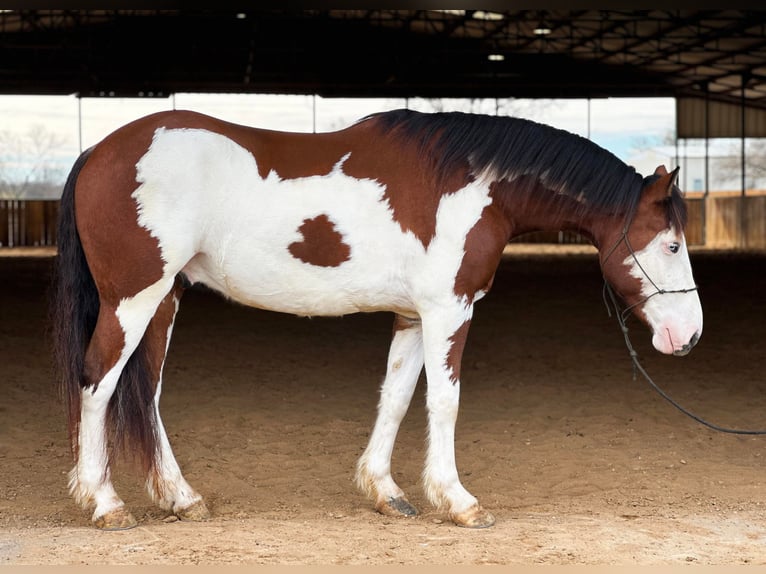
647	264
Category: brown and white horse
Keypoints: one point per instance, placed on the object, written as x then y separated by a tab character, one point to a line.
402	212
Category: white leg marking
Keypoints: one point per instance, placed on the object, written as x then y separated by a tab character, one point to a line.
171	492
440	477
405	362
90	481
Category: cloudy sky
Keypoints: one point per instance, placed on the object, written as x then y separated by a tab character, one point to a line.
618	124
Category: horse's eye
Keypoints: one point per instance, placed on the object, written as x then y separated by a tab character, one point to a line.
673	247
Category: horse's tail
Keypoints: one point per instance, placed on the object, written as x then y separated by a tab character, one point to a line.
74	305
74	308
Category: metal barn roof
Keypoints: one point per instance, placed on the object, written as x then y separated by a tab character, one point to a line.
718	54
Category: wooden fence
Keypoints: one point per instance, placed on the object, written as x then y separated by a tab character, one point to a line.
28	223
730	220
724	220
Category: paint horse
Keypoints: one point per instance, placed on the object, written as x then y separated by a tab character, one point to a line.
403	212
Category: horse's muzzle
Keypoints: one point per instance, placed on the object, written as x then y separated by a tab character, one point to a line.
687	347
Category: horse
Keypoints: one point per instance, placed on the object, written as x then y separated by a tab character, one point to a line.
403	212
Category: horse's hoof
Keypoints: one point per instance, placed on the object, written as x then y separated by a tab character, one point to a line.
197	512
399	506
474	517
117	519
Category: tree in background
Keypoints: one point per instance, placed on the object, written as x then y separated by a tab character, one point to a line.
532	109
755	163
28	167
501	106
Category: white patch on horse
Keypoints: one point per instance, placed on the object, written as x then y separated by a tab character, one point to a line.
673	317
217	220
134	313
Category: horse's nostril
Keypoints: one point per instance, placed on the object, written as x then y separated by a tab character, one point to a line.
688	346
695	338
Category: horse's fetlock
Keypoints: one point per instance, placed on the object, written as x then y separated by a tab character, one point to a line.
364	480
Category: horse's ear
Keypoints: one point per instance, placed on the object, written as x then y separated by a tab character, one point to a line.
663	187
673	180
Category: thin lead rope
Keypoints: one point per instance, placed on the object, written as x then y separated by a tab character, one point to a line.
663	394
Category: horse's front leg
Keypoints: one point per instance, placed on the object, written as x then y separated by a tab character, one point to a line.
405	362
444	336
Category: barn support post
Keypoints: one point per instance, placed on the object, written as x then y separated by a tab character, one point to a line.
743	154
79	120
706	193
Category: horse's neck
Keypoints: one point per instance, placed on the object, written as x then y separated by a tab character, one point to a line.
530	206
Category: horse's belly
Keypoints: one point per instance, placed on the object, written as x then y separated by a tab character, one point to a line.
282	284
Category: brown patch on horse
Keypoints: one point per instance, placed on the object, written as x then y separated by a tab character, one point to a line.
293	156
455	354
531	206
104	349
122	256
413	190
288	155
322	244
483	249
156	335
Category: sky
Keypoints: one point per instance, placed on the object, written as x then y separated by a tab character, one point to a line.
621	125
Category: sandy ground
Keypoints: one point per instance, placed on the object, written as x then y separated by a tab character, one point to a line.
268	414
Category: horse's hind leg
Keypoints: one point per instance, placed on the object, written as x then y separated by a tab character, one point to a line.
118	332
405	362
166	484
90	481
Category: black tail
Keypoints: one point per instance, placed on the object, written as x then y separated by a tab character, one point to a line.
74	311
74	305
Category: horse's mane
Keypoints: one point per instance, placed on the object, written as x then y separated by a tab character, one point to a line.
509	148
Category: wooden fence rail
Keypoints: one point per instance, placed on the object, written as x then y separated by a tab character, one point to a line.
722	220
734	221
28	223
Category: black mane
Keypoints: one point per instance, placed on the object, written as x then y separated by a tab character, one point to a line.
509	147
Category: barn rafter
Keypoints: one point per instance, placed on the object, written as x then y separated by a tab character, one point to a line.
430	53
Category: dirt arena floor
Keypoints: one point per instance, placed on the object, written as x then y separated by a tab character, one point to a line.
268	414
